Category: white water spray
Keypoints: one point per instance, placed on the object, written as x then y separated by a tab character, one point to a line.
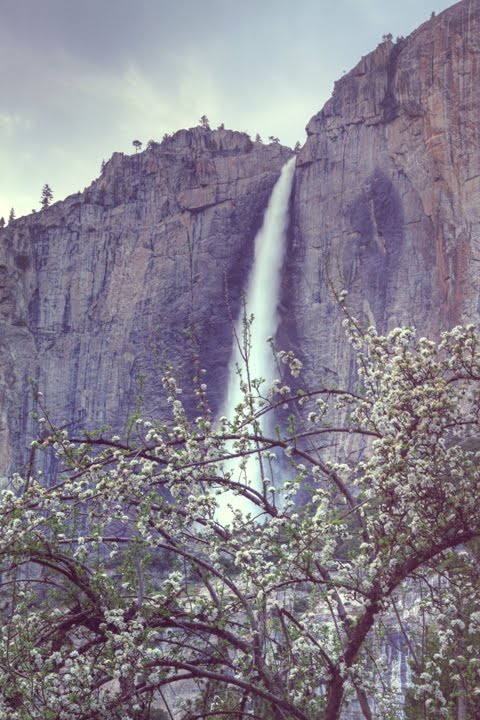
262	298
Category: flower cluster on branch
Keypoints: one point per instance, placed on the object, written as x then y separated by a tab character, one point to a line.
124	583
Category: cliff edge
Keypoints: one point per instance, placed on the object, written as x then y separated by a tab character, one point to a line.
99	289
387	194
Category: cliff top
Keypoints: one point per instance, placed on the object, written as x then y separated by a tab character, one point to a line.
378	68
188	152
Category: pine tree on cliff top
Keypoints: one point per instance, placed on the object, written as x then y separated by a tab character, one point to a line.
46	196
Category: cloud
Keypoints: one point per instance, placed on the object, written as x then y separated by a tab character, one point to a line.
80	80
8	123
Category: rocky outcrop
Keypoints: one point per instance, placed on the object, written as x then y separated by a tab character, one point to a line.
387	194
101	289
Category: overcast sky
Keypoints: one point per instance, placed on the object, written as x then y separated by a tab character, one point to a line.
80	79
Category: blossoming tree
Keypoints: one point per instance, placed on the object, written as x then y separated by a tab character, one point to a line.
127	594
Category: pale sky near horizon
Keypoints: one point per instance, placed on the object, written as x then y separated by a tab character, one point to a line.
81	79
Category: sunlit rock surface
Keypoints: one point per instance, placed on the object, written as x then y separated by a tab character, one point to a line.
387	194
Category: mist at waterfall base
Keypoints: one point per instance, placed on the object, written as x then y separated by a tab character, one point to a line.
262	297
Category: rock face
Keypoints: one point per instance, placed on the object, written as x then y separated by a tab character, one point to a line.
387	194
103	287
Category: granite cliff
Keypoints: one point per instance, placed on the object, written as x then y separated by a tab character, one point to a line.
101	287
387	193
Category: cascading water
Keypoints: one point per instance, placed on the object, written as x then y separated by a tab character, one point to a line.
261	299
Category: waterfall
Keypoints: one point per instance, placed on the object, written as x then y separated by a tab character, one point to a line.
262	298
